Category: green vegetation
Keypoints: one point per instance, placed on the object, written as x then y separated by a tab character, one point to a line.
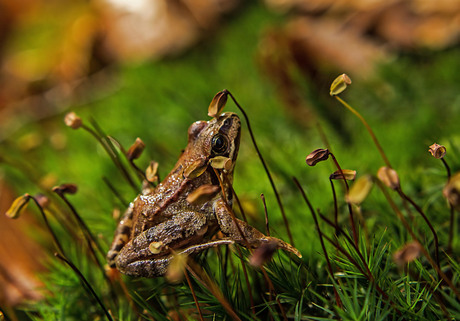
413	103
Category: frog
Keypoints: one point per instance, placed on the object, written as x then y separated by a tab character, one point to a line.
161	222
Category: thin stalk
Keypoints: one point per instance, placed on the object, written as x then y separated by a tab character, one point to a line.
193	294
212	287
320	233
452	212
90	240
246	279
272	183
86	284
267	226
427	221
451	229
86	231
48	226
115	191
350	208
369	129
243	214
447	168
368	275
112	154
230	210
272	288
367	272
336	210
415	238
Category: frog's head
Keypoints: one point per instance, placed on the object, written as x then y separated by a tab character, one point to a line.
218	137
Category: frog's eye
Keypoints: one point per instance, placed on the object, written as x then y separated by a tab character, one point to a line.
219	144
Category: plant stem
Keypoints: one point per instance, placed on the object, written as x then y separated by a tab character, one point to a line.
415	238
313	213
427	221
193	294
278	199
267	226
452	212
350	208
369	129
86	284
336	211
48	226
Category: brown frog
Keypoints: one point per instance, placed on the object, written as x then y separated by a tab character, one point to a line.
161	221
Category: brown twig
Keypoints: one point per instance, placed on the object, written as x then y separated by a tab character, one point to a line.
315	219
193	294
272	183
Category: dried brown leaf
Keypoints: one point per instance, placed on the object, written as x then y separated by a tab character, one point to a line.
65	189
316	156
389	177
218	103
18	206
407	253
221	162
438	151
72	120
359	190
136	149
195	169
339	84
203	194
349	174
151	173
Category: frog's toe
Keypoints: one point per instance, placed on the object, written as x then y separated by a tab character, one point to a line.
285	246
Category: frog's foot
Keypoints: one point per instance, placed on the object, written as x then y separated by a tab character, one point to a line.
243	233
283	245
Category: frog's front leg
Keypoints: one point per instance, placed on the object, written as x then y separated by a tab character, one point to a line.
245	233
158	266
121	235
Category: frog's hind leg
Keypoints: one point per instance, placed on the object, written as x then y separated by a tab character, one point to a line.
151	268
122	235
244	234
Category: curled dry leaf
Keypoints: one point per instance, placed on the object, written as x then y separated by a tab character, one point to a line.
218	103
65	189
195	169
263	253
18	206
151	173
348	174
407	253
176	268
316	156
389	177
339	84
359	190
452	191
221	162
136	149
72	120
203	194
438	151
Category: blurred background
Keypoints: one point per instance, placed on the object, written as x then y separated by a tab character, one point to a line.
149	68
